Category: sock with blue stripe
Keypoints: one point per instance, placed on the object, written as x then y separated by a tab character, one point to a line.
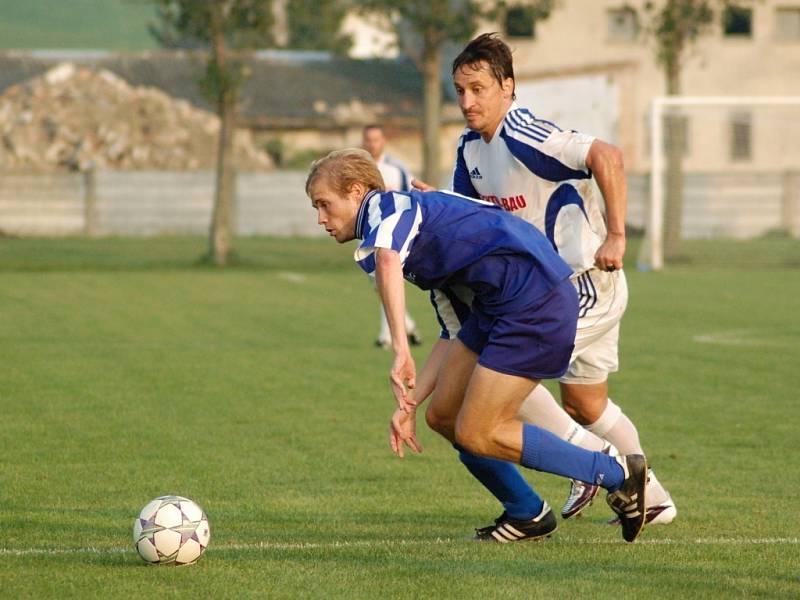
505	482
544	451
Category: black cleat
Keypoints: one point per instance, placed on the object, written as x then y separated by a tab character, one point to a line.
629	500
415	338
506	529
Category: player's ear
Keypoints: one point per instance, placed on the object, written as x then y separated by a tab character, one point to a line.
357	190
508	87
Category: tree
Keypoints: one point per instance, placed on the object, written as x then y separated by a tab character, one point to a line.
674	26
229	29
432	24
316	25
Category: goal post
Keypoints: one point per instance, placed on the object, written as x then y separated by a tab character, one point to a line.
737	174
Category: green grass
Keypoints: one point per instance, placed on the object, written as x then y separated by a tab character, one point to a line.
119	25
130	370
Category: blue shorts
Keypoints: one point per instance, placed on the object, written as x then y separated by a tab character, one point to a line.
534	342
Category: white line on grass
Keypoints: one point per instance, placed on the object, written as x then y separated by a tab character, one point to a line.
292	277
737	337
378	543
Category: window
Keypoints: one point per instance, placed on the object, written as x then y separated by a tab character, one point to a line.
737	21
787	24
741	136
623	25
520	22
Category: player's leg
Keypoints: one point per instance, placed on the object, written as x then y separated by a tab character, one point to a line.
615	426
522	347
584	389
501	478
540	408
414	336
487	425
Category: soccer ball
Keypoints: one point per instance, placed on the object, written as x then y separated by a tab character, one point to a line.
171	530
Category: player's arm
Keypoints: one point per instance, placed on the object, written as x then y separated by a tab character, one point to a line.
390	284
606	164
403	426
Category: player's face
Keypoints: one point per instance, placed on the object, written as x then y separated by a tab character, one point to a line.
336	212
373	141
483	101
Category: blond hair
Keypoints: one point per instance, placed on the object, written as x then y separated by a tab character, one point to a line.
343	168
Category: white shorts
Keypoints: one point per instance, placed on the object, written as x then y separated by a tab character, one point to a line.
603	298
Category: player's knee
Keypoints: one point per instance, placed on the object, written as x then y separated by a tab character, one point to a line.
585	406
474	440
586	412
571	409
439	422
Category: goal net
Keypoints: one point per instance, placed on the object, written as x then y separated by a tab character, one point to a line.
725	181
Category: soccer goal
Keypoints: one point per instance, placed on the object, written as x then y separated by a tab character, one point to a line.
723	170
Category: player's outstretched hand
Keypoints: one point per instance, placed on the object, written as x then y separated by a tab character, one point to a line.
420	185
403	377
403	432
610	254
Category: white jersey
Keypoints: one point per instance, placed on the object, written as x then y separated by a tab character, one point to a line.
395	176
537	171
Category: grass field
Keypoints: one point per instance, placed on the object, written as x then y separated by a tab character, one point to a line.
118	25
128	371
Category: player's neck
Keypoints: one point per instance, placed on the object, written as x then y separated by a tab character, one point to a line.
491	130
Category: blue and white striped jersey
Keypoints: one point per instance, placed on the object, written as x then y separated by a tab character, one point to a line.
538	172
447	240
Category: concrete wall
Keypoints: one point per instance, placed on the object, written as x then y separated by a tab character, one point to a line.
151	203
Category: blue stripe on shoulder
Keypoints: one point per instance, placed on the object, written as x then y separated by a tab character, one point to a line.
563	196
539	163
515	123
537	120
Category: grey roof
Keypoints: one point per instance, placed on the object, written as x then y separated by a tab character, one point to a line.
284	87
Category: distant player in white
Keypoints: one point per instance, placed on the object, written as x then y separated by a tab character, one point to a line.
556	180
397	179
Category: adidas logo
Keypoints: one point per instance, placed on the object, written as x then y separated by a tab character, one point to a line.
475	174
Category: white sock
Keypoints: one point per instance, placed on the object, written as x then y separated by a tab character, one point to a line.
385	334
540	408
410	325
617	428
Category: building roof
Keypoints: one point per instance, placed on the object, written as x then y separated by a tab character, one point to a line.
285	89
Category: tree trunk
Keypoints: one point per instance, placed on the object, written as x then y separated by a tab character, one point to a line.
223	213
432	116
675	130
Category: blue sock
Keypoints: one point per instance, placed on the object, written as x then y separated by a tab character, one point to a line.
505	482
544	451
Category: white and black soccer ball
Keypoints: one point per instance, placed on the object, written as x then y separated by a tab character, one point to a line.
171	530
